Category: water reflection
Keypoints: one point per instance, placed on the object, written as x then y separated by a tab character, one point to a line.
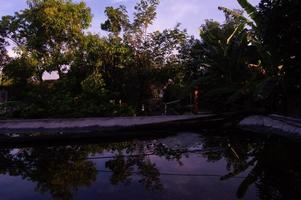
271	165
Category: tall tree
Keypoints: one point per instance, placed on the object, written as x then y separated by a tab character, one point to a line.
279	46
149	52
231	63
48	31
280	30
118	20
4	58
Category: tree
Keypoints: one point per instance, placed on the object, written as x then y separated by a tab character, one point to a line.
251	10
117	21
282	39
3	43
48	31
4	58
148	54
230	62
20	71
190	56
279	47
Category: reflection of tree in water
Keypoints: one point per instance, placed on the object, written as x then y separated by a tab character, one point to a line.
58	170
277	172
272	163
62	170
138	162
123	169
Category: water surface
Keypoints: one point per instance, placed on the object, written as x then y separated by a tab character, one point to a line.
185	165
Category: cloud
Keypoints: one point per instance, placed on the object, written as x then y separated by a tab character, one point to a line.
188	13
119	1
191	13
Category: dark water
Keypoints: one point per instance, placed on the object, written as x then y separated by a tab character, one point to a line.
208	165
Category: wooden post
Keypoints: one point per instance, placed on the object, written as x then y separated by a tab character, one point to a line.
196	95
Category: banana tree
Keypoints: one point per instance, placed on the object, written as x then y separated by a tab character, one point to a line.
250	9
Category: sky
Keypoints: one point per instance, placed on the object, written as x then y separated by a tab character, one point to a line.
190	13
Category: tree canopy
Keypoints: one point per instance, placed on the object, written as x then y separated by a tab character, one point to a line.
244	63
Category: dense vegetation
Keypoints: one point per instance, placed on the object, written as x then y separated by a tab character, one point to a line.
246	63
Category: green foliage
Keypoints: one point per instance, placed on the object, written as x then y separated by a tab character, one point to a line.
251	10
282	39
223	59
3	53
48	31
20	71
145	13
94	85
93	70
117	20
144	55
243	63
229	67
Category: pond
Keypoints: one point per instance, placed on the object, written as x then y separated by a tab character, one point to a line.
186	165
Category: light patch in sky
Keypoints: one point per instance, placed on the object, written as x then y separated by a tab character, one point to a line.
11	53
51	76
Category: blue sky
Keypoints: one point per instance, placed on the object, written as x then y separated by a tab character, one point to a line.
190	13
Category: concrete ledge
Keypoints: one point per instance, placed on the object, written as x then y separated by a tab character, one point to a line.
90	124
276	124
